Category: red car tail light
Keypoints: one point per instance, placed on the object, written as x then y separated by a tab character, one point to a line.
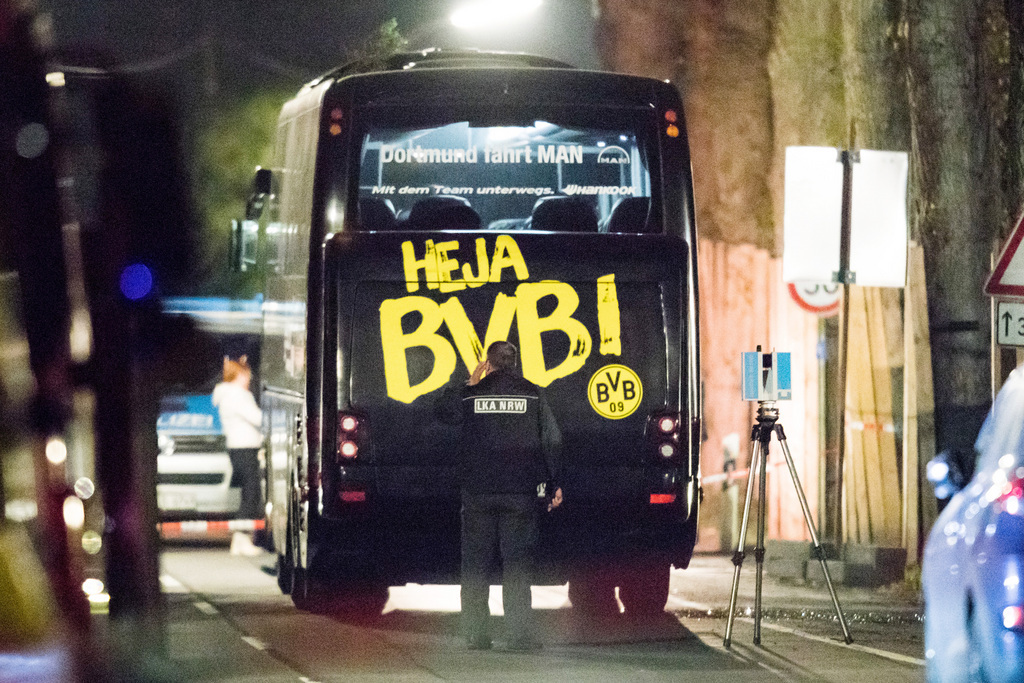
1009	495
1013	617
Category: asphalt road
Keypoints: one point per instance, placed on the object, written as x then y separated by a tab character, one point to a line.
227	621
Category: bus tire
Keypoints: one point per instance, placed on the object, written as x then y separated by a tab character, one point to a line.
592	593
327	588
284	573
304	591
361	599
644	587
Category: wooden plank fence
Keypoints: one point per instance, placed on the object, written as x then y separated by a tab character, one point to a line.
889	431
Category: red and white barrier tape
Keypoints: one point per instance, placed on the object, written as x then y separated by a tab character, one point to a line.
738	474
203	527
715	478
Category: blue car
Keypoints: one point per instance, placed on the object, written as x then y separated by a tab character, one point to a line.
974	556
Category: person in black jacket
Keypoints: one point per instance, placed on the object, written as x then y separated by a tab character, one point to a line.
509	454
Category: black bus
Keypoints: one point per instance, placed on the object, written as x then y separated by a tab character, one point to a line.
422	207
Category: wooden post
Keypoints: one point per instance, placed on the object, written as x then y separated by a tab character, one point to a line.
919	505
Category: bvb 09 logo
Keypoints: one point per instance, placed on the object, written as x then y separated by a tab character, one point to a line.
615	391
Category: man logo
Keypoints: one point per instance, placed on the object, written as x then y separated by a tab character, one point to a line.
613	155
499	404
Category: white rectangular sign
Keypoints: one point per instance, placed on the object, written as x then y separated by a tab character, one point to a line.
1010	324
813	216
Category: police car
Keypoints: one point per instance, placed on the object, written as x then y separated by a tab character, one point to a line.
193	467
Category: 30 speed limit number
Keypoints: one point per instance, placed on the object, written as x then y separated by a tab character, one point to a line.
615	391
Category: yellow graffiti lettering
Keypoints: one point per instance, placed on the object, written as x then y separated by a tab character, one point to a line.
464	335
507	255
396	344
413	265
531	325
482	269
608	316
500	323
445	266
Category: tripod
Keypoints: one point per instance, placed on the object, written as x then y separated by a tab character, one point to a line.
761	435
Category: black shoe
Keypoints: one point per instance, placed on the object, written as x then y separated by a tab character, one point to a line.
479	643
523	646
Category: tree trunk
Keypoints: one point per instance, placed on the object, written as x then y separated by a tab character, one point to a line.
875	91
716	51
950	210
1014	131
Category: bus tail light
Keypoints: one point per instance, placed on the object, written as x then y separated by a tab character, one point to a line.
352	496
349	429
667	424
671	118
662	498
663	435
337	116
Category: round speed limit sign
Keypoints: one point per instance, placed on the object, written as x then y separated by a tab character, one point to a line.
820	299
615	391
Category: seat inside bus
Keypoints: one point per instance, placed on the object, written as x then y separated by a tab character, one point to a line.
442	212
376	214
630	215
563	214
559	213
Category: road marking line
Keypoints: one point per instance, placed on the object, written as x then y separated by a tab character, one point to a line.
885	654
255	642
853	646
171	584
206	608
750	655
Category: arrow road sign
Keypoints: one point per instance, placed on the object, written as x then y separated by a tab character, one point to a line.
1010	324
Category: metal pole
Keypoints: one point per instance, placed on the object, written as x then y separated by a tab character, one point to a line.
844	277
819	551
737	558
766	436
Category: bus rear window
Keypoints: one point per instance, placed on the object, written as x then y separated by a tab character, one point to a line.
540	177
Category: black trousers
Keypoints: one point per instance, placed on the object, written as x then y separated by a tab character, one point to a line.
245	472
493	526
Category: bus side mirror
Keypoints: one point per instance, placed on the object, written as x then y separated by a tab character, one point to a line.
261	188
244	245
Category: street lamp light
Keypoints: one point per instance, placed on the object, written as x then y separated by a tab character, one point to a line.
490	13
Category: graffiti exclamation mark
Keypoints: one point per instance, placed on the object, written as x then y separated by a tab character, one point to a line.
608	316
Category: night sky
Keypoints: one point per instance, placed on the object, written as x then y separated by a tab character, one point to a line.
210	49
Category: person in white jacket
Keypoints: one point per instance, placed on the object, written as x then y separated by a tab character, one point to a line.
241	420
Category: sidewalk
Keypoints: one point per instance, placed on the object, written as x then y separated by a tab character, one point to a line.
707	585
